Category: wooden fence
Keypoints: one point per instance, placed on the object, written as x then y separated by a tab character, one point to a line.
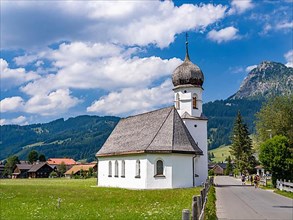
198	203
283	185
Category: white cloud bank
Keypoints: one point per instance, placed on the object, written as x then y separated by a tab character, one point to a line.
134	100
131	22
14	77
54	103
224	35
21	120
78	65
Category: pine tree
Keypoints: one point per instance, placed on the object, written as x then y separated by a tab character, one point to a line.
241	145
229	167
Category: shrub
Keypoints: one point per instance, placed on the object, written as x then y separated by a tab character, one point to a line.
53	174
210	209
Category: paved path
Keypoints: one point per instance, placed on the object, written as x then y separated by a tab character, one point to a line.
235	201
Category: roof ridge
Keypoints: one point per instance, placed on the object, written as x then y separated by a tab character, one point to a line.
173	130
160	128
145	113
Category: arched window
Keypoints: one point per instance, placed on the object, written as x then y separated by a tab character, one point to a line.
137	170
123	168
177	102
194	102
116	168
159	167
110	169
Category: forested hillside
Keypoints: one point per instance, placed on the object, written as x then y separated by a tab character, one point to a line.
79	138
221	115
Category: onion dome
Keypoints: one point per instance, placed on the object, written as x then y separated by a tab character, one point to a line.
187	73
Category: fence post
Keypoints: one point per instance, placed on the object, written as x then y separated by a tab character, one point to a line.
185	214
198	200
202	196
194	208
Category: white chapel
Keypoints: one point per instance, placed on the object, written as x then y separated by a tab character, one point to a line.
165	148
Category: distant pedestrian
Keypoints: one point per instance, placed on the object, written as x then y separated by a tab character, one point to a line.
251	180
243	179
256	179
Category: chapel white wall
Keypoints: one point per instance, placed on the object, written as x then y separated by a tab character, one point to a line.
129	181
199	134
178	171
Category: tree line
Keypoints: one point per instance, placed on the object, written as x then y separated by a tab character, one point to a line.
274	133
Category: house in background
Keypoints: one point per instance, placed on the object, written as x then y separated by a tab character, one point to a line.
166	148
75	170
69	162
21	170
40	170
219	168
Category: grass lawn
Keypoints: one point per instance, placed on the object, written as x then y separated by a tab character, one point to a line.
23	199
284	193
220	153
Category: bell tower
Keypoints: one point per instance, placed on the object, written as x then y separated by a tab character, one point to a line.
188	79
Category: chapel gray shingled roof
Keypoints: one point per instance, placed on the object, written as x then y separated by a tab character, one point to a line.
160	131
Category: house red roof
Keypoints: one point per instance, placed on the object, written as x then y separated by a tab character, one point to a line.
77	168
58	161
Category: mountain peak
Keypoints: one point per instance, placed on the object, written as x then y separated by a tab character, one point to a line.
267	79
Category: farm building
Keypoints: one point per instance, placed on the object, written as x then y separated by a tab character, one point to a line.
165	148
76	169
40	170
36	170
68	162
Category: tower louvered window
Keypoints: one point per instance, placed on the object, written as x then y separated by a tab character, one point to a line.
194	103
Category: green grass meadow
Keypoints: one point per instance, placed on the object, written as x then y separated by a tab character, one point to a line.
220	154
23	199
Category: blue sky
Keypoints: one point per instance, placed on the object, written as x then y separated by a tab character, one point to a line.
69	58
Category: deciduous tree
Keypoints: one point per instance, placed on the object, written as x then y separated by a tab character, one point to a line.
276	156
62	169
42	158
33	156
10	165
276	118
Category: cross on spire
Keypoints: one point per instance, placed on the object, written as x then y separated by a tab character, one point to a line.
186	45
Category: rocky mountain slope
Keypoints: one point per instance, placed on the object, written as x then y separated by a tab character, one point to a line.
267	79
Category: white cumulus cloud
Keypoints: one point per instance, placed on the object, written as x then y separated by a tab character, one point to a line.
14	77
21	120
12	104
134	101
223	35
285	25
289	58
85	66
240	6
54	103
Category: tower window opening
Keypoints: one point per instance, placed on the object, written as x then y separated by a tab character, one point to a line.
194	103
